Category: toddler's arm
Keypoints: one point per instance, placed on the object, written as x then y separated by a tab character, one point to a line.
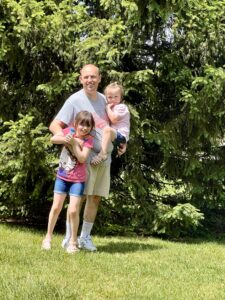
113	116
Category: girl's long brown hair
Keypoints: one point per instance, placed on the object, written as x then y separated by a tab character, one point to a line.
84	118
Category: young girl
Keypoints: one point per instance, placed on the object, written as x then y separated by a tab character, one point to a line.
71	175
119	116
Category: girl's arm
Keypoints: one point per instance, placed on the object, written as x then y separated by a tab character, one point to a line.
73	144
81	153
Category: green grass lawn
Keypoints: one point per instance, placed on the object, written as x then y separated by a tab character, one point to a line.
123	268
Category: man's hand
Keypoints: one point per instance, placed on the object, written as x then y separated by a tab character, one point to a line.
122	149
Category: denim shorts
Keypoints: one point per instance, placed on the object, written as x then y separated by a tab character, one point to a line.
67	187
120	139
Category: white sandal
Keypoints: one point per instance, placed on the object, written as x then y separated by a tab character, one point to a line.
72	248
46	244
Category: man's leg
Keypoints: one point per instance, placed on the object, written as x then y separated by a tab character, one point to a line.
90	212
98	183
91	208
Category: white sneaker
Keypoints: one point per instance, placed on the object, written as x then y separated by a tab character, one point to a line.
86	243
65	242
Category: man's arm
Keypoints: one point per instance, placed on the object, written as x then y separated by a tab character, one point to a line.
56	126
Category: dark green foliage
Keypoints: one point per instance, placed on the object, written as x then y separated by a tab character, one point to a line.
26	162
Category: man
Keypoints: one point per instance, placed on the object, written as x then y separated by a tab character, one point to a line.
98	182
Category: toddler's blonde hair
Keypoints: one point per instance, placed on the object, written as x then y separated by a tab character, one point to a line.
113	85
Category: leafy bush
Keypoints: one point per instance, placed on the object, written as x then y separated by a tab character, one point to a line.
26	171
178	220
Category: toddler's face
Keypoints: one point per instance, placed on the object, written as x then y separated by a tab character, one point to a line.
113	95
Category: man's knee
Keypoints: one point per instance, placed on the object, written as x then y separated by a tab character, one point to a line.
91	208
94	200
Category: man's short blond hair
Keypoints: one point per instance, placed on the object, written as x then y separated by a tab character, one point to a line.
89	66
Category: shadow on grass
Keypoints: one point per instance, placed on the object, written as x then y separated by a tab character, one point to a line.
119	246
217	238
126	247
34	227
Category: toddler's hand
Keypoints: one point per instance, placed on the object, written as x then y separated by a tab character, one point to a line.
109	106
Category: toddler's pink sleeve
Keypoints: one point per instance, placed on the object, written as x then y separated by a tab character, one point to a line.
121	110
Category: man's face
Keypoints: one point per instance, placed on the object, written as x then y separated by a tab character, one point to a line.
90	79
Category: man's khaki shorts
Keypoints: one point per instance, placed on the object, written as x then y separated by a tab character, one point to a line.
98	181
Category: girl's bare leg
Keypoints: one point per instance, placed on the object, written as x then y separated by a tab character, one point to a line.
74	217
56	208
